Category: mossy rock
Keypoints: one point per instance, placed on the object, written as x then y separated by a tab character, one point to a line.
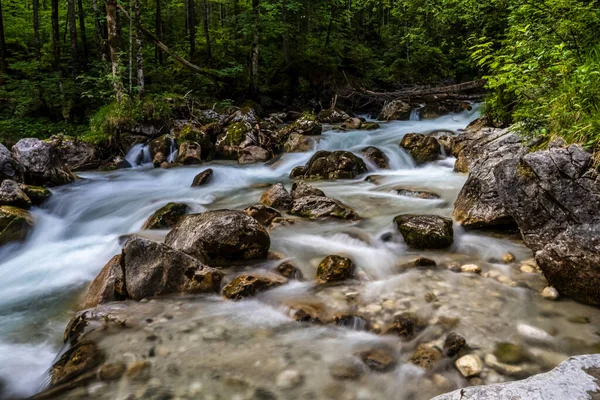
422	148
36	194
426	357
509	353
235	133
15	224
335	269
250	285
167	216
425	231
79	359
369	126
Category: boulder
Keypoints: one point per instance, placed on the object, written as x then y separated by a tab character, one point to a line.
41	163
576	378
335	269
11	194
453	344
554	198
446	144
395	110
162	144
250	285
419	194
425	231
9	167
302	189
277	197
75	154
378	360
404	325
167	216
158	160
37	194
337	165
332	116
298	143
376	156
263	214
352	124
253	154
115	164
478	204
77	360
369	126
422	148
153	269
189	153
426	357
222	236
107	286
203	178
298	172
15	224
228	143
245	115
315	207
306	125
186	130
475	144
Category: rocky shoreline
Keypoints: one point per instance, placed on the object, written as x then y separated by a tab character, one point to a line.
127	341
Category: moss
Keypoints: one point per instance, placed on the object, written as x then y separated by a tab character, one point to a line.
236	133
15	224
509	353
166	217
334	269
37	194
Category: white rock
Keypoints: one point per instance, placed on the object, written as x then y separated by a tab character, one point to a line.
534	334
471	268
528	269
289	379
373	308
550	293
469	365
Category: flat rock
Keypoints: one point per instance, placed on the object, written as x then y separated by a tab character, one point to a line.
248	285
316	207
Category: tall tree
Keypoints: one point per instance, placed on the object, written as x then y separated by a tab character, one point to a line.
205	22
255	49
82	29
191	13
36	29
3	61
100	29
139	46
114	45
73	36
55	35
158	56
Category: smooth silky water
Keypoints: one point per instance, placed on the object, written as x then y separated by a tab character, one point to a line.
77	231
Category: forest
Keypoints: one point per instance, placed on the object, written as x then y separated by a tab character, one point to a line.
67	66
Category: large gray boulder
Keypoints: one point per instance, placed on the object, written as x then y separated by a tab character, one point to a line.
332	165
11	194
221	236
41	163
317	207
396	109
478	204
9	167
576	378
75	154
554	197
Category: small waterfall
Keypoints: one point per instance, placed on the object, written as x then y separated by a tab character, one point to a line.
139	155
172	151
415	114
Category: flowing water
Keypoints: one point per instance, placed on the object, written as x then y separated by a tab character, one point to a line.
78	231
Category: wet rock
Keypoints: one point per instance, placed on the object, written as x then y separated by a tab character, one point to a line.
250	285
244	114
115	164
167	216
533	334
423	149
479	204
138	369
425	231
351	124
263	214
578	319
289	271
41	164
470	269
307	125
277	197
509	353
453	344
253	154
332	116
152	269
315	207
158	160
554	197
162	144
426	357
302	189
378	360
107	286
469	365
37	194
12	195
376	156
75	154
369	126
79	359
349	369
423	262
289	379
15	224
404	325
222	236
419	194
298	172
306	314
508	258
297	143
504	369
203	178
228	144
189	153
354	322
111	371
9	167
395	110
337	165
446	144
335	269
184	130
550	293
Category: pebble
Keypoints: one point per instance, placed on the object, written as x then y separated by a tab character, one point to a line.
528	269
373	308
109	372
389	305
469	365
534	334
508	258
550	293
137	368
471	268
505	369
289	379
378	360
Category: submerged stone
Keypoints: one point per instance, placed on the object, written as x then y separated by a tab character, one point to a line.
335	269
249	285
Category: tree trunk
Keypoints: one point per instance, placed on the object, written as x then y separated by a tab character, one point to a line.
206	31
255	50
113	42
100	31
3	61
55	35
236	11
192	27
82	30
73	36
158	56
285	45
139	46
36	29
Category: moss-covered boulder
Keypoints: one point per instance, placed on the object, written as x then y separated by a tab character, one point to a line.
422	148
335	269
376	156
332	116
203	178
167	216
79	359
317	207
425	231
297	143
196	133
250	285
37	194
11	194
228	143
333	165
369	126
395	110
307	124
15	224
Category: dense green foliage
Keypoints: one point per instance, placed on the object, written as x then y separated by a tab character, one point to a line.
541	58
